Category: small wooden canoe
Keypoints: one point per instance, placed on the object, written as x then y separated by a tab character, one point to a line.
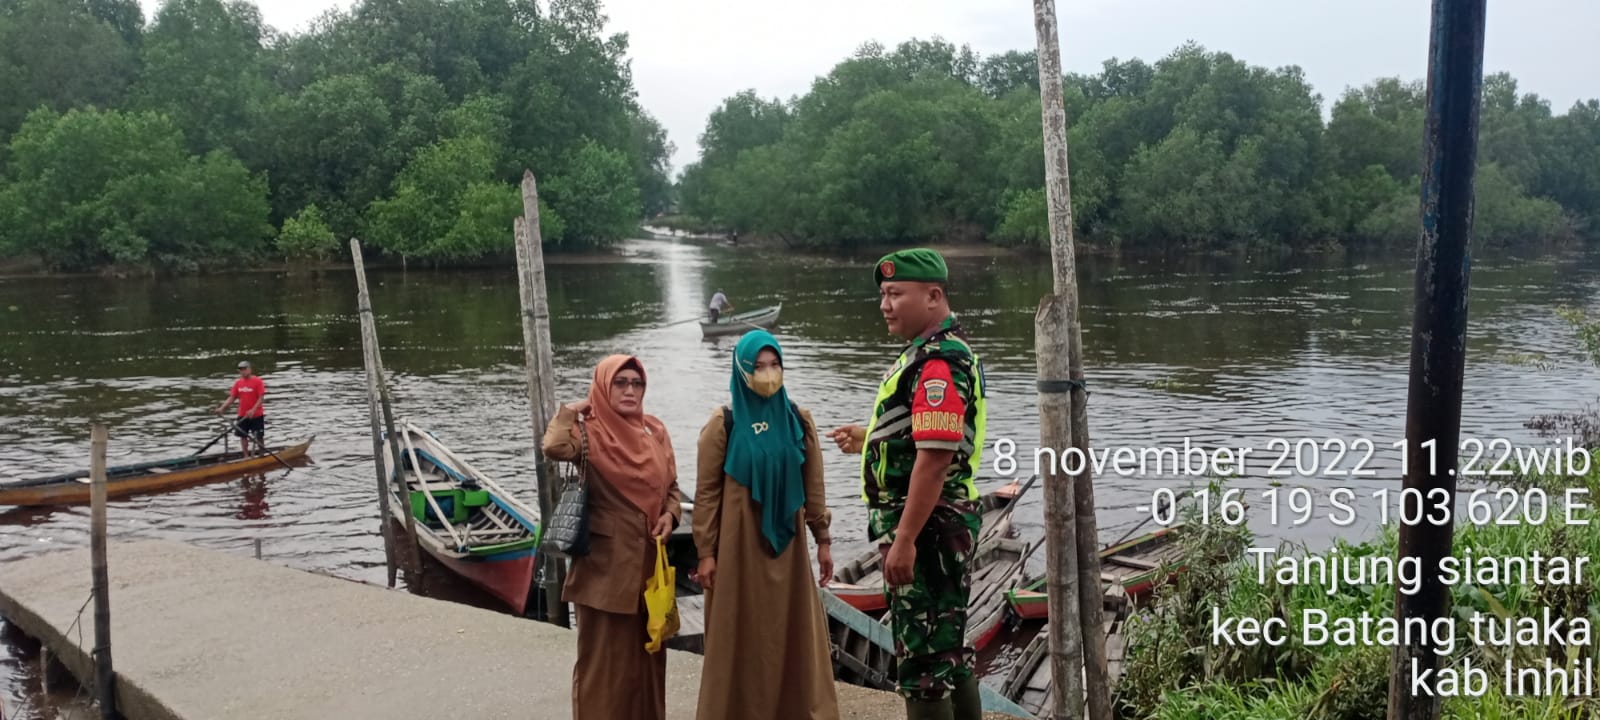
149	477
1030	685
997	566
682	555
764	318
466	521
860	581
999	563
863	654
1136	566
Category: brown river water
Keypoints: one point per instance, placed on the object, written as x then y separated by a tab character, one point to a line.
1225	351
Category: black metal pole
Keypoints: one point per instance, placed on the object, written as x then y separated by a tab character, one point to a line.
1439	334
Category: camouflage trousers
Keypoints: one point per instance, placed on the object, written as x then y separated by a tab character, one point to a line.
929	616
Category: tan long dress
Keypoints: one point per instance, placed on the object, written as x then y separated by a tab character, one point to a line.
615	678
766	643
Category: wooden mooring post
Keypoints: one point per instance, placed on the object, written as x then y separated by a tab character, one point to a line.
53	676
105	689
1438	332
540	361
378	406
1077	644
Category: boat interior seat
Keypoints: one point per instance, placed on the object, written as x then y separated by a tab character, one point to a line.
455	503
1140	563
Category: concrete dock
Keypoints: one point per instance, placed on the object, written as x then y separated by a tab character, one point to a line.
204	635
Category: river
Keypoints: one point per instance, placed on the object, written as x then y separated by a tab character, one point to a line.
1227	351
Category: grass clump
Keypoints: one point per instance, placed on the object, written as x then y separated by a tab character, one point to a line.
1175	672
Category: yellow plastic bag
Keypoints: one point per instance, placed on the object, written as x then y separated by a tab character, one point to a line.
661	600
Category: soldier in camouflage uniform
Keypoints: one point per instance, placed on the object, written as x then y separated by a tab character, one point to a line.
920	452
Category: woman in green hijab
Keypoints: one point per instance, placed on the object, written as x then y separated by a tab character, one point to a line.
760	478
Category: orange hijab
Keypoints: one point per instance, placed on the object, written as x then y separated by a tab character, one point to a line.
633	454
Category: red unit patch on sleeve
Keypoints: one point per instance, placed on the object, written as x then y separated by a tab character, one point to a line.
938	412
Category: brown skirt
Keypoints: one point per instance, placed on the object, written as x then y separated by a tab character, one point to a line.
615	678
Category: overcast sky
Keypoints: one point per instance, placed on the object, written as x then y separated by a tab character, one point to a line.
690	54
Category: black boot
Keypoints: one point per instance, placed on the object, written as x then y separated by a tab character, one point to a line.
929	709
966	702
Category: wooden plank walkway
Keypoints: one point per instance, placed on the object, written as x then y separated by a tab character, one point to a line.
199	634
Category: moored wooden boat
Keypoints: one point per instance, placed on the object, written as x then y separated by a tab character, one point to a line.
860	581
863	654
1135	566
997	566
148	477
466	521
764	318
1030	684
681	553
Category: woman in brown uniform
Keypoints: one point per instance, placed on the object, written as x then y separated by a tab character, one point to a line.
633	498
766	647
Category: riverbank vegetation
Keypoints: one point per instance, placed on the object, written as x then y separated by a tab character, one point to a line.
1197	150
205	137
1175	670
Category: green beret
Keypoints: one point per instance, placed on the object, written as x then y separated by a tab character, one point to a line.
914	265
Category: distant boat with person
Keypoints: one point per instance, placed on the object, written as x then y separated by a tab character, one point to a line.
761	318
148	477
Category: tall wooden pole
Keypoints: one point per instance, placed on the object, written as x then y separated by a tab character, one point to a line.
378	403
105	688
1439	329
1072	533
540	361
364	306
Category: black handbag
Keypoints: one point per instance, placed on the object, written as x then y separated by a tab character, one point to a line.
567	533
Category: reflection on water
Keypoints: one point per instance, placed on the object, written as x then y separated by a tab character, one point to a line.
1227	351
253	498
25	698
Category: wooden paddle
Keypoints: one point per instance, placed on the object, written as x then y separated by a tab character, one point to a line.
1152	516
680	322
701	318
262	442
234	425
214	440
1011	507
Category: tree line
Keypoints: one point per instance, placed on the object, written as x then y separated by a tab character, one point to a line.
206	137
1198	150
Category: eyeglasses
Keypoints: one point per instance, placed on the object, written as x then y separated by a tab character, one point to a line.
625	383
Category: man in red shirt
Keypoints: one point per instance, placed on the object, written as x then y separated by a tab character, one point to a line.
250	392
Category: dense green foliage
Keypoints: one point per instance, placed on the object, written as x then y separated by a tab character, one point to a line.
406	122
306	236
92	188
1199	149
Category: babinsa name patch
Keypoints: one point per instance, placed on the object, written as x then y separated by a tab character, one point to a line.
936	421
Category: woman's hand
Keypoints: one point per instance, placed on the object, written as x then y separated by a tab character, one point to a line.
580	407
663	526
825	564
706	575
